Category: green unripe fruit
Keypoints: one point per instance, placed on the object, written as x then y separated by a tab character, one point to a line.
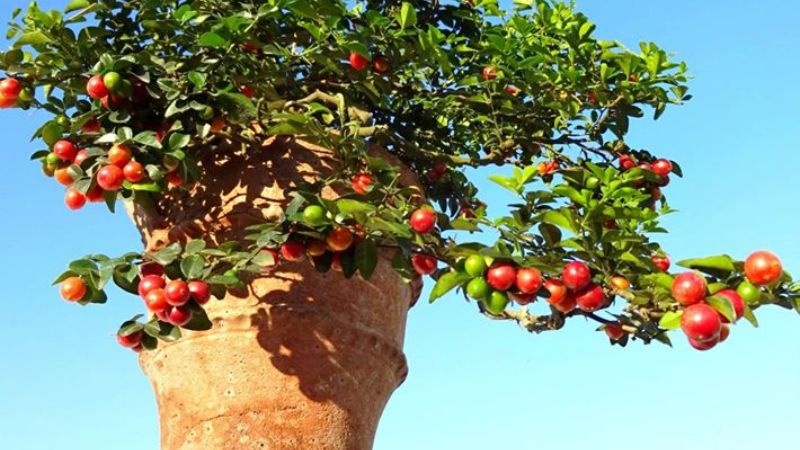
51	160
63	121
25	95
207	113
112	81
749	292
478	288
51	133
14	57
497	302
314	215
475	265
592	182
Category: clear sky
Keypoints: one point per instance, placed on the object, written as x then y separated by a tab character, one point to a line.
475	384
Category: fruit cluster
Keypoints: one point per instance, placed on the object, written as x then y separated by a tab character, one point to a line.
705	326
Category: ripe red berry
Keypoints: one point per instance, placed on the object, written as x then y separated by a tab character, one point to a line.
736	302
92	126
149	283
626	162
423	264
62	176
177	292
423	220
521	298
662	167
558	292
703	346
73	289
647	167
96	87
179	315
763	268
529	280
200	292
358	61
380	64
110	178
174	179
724	333
576	275
701	323
566	305
361	183
156	300
489	73
65	150
80	157
120	155
614	331
95	194
133	172
662	262
130	341
151	268
501	276
689	288
512	90
247	91
10	88
591	298
74	199
293	251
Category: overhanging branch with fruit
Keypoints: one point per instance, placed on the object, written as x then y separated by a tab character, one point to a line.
145	97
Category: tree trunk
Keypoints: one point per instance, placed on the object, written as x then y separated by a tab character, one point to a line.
301	360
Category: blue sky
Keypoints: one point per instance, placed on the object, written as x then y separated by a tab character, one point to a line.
476	384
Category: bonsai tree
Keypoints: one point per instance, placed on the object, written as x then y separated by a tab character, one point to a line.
164	105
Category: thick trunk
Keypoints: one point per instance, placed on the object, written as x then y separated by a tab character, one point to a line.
301	360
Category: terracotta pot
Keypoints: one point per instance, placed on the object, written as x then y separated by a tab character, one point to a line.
301	360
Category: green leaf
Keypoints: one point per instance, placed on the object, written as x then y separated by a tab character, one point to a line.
718	266
32	38
212	39
192	266
349	206
75	5
723	306
447	283
366	257
195	246
178	141
750	316
148	138
560	218
167	255
671	320
198	79
408	15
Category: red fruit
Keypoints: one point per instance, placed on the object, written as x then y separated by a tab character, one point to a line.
110	178
336	262
380	65
293	251
73	289
646	167
120	155
689	288
179	316
626	162
156	300
177	292
74	199
250	47
440	168
151	268
316	248
96	87
96	194
65	150
358	61
112	102
558	292
736	301
423	264
591	298
62	176
339	239
614	331
566	305
529	280
522	299
592	97
423	220
763	268
512	90
92	126
200	292
501	276
433	176
174	179
247	90
576	275
662	262
701	323
10	88
662	167
150	283
130	341
133	172
80	157
361	183
7	102
703	346
489	73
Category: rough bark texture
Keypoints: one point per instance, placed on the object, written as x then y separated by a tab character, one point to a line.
301	360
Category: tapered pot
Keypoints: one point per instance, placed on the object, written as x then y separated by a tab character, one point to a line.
298	360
